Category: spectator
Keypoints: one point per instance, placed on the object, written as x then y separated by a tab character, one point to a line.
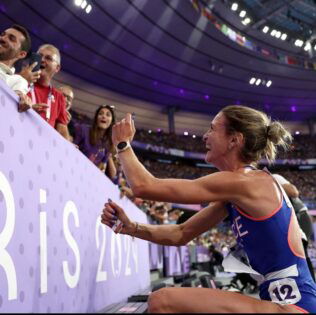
95	142
47	100
15	43
216	259
174	215
68	93
121	181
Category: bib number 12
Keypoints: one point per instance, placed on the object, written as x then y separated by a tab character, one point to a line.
284	291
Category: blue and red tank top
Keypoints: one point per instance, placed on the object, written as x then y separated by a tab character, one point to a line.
265	241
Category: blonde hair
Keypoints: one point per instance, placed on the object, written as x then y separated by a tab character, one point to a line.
261	135
53	48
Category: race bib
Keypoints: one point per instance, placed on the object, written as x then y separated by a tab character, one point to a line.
284	291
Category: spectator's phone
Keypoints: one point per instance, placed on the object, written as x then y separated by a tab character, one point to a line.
35	57
21	63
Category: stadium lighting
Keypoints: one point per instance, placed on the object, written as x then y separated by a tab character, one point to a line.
297	132
246	21
149	131
258	81
83	4
284	36
278	34
186	133
307	46
78	3
194	136
234	6
269	83
88	8
273	32
298	43
265	29
242	13
252	81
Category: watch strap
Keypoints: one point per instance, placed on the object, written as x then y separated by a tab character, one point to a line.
128	145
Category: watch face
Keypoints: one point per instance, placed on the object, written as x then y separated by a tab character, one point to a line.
121	145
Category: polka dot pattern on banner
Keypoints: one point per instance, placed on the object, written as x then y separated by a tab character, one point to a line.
45	173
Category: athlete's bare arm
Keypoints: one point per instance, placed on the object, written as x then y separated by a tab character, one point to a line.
170	234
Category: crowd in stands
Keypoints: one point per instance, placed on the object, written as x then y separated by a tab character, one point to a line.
169	140
304	180
303	146
54	105
175	170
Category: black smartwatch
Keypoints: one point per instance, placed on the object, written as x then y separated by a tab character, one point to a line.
122	146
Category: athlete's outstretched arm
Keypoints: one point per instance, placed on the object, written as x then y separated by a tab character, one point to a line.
169	234
219	186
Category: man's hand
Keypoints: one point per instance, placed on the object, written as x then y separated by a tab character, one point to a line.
25	102
28	75
40	107
68	116
123	130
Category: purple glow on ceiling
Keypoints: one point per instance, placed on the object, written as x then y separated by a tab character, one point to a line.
181	91
66	46
3	8
293	109
207	97
34	30
237	102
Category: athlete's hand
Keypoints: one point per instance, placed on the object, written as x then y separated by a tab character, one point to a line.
111	213
123	130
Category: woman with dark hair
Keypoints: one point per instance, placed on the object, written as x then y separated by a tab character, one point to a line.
95	142
262	218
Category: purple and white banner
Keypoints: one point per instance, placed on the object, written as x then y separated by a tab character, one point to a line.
55	256
176	260
155	256
202	254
